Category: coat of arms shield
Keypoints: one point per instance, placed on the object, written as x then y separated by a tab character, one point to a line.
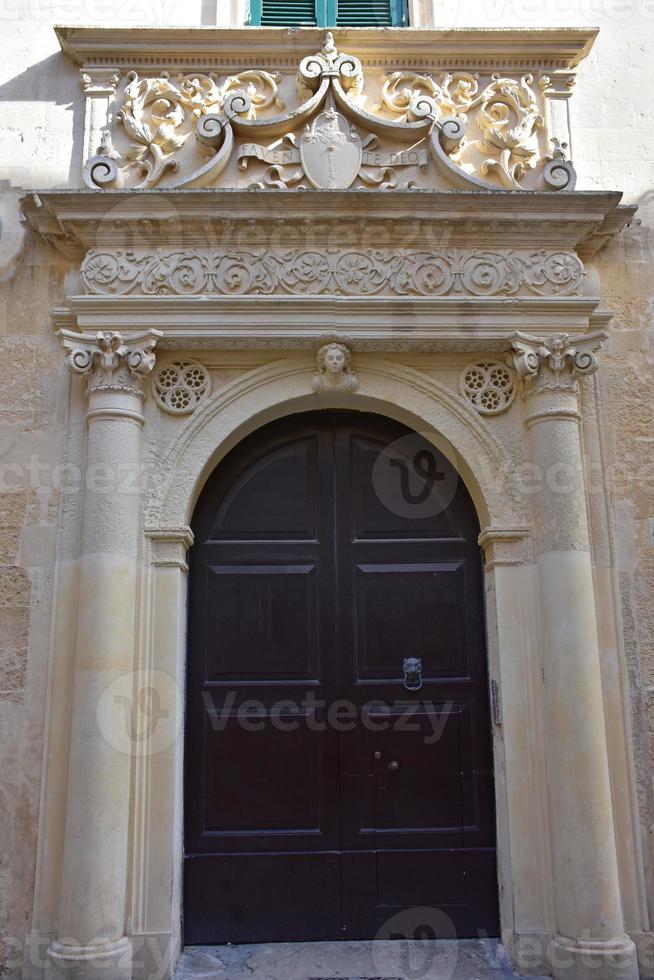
331	152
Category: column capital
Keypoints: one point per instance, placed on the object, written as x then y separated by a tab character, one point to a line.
558	83
555	362
110	361
99	81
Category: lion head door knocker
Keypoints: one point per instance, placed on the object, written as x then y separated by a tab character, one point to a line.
334	372
412	669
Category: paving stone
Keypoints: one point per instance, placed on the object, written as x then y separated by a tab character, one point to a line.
438	960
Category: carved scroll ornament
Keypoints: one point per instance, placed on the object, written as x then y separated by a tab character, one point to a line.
362	272
184	131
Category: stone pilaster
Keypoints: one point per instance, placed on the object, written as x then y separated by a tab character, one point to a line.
91	940
590	940
99	86
557	87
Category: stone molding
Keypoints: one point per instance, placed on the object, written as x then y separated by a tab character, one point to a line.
506	546
525	49
169	546
79	221
360	272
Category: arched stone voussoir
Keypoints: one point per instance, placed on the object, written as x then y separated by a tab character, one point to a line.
284	388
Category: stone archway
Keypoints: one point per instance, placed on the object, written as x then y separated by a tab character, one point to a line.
272	392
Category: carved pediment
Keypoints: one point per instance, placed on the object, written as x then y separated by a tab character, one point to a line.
335	121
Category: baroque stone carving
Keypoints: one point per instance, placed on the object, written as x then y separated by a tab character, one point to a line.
334	372
506	113
478	134
556	362
470	272
489	386
179	387
110	361
154	110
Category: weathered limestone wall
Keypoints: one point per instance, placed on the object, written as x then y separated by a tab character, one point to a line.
41	123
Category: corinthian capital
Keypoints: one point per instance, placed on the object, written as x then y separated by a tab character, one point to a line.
555	362
111	361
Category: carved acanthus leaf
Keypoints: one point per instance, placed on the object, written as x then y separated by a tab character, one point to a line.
506	114
158	115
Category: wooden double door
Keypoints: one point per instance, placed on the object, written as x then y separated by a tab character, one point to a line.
338	742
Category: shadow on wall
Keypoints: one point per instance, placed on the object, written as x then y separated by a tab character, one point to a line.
52	82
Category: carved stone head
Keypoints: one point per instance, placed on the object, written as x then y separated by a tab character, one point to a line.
334	372
334	358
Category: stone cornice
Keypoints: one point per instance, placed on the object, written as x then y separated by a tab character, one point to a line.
83	220
198	47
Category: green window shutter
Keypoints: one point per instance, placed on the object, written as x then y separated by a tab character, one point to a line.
283	13
371	13
328	13
288	13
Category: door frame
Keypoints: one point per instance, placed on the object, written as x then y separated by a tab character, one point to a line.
435	410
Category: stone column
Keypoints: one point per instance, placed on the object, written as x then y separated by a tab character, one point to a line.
590	940
91	940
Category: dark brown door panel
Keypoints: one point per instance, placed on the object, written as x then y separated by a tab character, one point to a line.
327	792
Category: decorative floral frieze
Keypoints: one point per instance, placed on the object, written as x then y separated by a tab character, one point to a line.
489	386
181	386
556	362
110	361
183	132
471	272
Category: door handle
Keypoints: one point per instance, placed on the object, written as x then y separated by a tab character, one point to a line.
412	670
393	766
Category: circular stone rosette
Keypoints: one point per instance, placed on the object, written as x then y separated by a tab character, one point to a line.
181	386
489	386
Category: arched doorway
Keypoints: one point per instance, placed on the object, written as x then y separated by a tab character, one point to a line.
338	745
